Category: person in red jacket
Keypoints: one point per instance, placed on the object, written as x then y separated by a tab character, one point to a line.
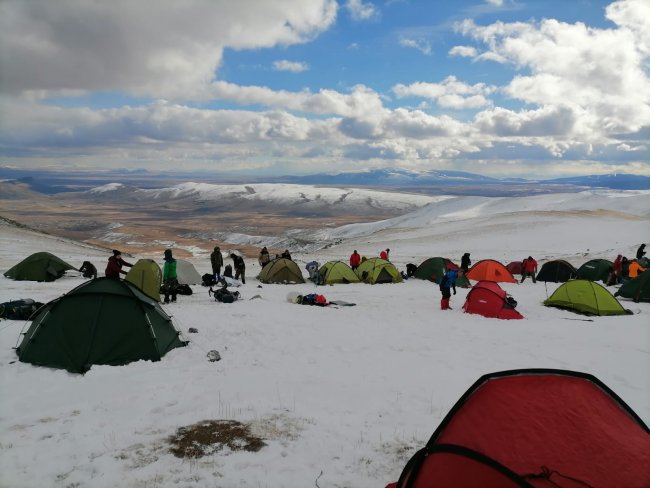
528	268
355	260
384	254
114	266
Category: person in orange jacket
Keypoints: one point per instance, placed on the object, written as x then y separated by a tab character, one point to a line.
635	270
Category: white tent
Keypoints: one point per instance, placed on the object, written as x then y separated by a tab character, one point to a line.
187	273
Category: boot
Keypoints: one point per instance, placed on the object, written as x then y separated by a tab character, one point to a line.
444	304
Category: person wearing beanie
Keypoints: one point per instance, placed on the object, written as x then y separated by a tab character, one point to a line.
114	266
170	279
385	254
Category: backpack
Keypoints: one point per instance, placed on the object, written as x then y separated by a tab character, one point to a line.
19	309
224	295
208	280
184	290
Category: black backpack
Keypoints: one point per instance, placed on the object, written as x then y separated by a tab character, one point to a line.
208	280
19	309
224	295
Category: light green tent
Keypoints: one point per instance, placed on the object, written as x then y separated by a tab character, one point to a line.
147	276
334	272
103	321
584	296
595	270
281	270
40	266
377	270
638	289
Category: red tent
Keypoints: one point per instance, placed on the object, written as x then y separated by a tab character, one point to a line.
535	428
515	267
490	270
488	299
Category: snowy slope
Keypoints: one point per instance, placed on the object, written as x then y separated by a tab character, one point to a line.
342	396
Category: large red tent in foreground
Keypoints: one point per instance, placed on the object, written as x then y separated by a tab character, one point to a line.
535	428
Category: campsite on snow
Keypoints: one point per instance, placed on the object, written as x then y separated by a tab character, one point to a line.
109	386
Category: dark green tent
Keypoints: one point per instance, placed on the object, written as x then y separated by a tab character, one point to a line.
557	271
595	270
638	289
281	270
40	266
103	321
433	269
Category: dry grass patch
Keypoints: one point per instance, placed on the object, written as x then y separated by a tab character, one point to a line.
210	436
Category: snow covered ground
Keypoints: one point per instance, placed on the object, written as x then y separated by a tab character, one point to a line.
341	396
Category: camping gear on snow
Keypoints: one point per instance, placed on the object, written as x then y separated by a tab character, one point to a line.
186	273
490	270
377	270
638	289
40	266
19	309
224	295
596	270
584	296
147	276
534	428
334	272
281	270
488	299
311	299
515	267
557	271
103	321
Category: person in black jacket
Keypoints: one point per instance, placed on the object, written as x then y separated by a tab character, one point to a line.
465	262
640	252
239	266
88	269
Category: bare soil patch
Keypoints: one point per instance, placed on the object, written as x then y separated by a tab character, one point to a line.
210	436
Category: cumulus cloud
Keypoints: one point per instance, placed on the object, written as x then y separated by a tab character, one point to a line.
451	93
78	45
293	66
360	10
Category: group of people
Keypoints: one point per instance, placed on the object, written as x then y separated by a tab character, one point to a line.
625	269
216	260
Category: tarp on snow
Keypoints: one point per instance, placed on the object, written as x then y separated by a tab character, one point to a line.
534	428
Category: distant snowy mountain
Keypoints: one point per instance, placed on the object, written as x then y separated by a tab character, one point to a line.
616	181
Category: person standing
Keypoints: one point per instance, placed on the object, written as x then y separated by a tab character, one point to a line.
617	271
216	259
465	262
635	269
445	289
240	267
286	255
114	266
170	278
264	257
385	254
355	260
452	275
528	268
640	252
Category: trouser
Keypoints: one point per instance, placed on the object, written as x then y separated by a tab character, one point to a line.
239	275
444	302
528	273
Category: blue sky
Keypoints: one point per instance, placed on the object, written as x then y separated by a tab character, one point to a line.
498	87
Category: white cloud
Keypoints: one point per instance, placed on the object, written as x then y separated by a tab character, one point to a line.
463	51
293	66
451	93
496	3
164	49
421	45
360	10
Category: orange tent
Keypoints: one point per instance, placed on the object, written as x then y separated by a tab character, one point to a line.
490	270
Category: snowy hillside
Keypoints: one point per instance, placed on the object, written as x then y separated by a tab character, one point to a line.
340	396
